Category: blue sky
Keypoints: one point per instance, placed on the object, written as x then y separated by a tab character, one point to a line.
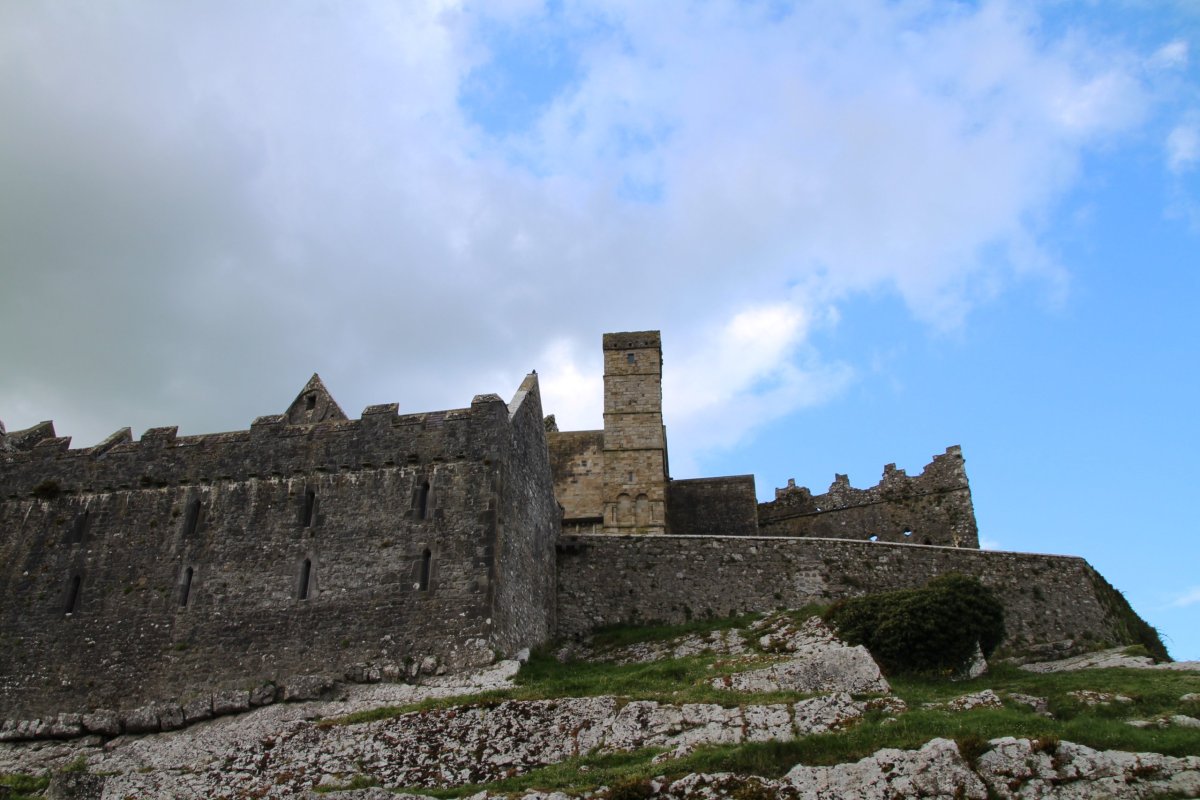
868	230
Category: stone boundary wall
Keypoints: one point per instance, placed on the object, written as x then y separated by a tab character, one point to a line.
933	507
605	580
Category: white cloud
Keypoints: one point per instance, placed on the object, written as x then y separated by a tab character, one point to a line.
1171	56
1183	146
215	200
1187	598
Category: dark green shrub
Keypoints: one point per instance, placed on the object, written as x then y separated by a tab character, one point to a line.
929	630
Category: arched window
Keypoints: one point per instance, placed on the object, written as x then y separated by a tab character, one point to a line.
426	563
305	575
185	587
624	509
642	509
73	593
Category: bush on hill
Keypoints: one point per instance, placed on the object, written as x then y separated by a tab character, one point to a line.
933	629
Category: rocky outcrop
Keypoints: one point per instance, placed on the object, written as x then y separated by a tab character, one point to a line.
817	662
1013	769
1102	659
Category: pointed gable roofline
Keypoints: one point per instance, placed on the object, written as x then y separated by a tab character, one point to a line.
313	404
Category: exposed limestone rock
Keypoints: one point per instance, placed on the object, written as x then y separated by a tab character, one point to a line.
821	663
984	699
275	752
723	642
1090	698
1101	659
1018	768
1039	704
976	667
936	770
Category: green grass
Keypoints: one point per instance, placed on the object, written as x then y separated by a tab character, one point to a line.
24	787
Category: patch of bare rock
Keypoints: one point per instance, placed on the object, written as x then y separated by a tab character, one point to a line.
817	662
1103	659
1012	769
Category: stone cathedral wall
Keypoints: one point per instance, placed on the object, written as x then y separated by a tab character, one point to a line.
171	567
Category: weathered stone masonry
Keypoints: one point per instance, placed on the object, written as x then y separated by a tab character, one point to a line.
172	566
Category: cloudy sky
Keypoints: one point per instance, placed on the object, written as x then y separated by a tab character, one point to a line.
867	229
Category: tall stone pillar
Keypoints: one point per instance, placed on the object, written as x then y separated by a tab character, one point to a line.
635	446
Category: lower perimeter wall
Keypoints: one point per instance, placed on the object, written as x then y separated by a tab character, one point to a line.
605	580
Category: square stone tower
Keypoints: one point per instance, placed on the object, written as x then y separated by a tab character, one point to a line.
635	442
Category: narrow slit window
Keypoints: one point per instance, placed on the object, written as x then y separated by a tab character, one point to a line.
423	501
191	519
79	527
305	575
73	592
310	509
426	563
185	588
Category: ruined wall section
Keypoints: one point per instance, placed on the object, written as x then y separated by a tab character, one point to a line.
171	566
577	462
527	527
931	508
605	580
712	507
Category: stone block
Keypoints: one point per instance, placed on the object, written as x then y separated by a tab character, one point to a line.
198	709
102	722
264	695
306	687
140	720
230	701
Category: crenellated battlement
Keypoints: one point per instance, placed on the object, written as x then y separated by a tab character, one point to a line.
933	507
271	446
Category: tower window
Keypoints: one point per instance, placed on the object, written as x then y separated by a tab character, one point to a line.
305	575
310	509
426	563
192	519
423	501
630	358
185	588
73	593
310	402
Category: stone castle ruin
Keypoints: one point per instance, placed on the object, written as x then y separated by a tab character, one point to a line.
149	583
